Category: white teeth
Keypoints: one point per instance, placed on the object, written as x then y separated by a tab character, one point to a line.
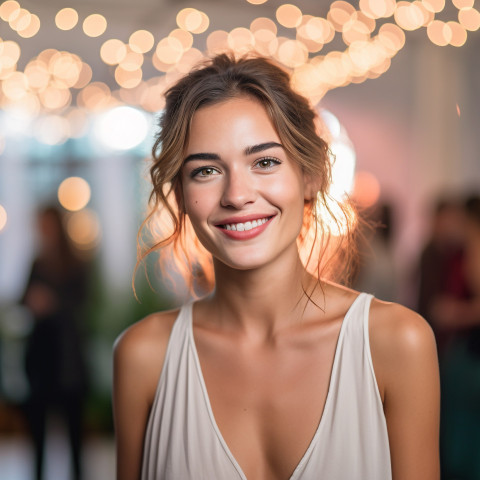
243	227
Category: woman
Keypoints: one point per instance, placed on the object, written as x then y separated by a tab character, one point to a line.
269	376
55	364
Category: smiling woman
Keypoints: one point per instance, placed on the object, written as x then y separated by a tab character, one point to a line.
275	373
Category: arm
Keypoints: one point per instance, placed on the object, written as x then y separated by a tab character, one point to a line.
406	365
138	358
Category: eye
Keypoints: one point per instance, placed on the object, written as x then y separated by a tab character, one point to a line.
204	172
267	163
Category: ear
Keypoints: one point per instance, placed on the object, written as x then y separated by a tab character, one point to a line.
311	186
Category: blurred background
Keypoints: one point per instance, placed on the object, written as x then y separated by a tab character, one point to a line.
81	83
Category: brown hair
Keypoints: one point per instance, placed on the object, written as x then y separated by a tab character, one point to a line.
221	78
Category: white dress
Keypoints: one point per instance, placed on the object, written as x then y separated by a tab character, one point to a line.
183	442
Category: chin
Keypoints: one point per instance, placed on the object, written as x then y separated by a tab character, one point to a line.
242	262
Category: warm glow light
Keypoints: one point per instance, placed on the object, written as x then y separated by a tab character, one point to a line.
122	128
3	217
289	15
54	98
113	51
192	20
292	53
84	77
66	19
392	37
32	29
95	96
189	59
241	39
439	33
377	8
366	191
434	5
263	23
340	13
184	37
256	2
409	16
463	3
459	34
15	86
8	8
9	54
354	31
320	30
469	18
20	20
84	229
204	24
74	193
217	41
132	61
169	50
141	41
94	25
127	78
266	42
65	68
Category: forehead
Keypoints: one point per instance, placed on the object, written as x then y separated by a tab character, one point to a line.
234	123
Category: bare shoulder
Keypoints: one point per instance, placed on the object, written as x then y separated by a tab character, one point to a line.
400	341
141	348
393	326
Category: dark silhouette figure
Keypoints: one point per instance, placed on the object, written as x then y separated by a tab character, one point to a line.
55	365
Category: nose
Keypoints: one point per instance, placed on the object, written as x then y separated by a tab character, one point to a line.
238	190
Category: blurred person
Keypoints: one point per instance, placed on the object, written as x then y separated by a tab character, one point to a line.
455	314
441	265
55	363
277	372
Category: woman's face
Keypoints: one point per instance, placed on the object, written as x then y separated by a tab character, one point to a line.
243	195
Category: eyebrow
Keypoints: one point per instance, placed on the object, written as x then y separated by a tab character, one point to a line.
247	151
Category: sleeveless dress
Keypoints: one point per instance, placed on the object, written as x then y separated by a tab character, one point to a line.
183	441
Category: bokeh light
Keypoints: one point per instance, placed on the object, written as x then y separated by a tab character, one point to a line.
469	18
141	41
3	217
8	8
74	193
83	228
66	19
32	28
94	25
113	51
122	128
288	15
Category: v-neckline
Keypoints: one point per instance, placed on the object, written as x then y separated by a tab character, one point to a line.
326	406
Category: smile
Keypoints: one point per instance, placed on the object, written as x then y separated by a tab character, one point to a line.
244	227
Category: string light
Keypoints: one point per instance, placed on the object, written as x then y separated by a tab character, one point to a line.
66	19
48	79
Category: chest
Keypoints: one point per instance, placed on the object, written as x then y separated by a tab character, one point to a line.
268	402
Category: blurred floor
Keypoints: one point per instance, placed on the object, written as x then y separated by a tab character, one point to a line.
16	458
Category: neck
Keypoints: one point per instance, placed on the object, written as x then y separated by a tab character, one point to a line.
263	300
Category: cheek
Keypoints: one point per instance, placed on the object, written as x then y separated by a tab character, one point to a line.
197	204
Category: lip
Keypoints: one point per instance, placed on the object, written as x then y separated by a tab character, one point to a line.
248	234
